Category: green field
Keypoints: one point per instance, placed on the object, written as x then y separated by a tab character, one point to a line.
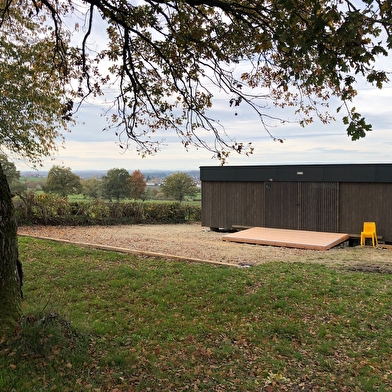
103	321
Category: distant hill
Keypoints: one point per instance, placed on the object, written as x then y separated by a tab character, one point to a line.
90	173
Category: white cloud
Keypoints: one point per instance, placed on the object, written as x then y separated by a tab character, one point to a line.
88	147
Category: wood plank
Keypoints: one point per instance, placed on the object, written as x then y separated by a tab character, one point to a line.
301	239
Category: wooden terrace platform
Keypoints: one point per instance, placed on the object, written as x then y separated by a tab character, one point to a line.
288	238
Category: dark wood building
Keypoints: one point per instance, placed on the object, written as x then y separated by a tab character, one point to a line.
331	198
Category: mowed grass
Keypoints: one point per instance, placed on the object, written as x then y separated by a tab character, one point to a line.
103	321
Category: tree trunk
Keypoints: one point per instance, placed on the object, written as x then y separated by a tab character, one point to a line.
10	268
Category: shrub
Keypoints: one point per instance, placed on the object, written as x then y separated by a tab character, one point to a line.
164	212
43	208
97	210
50	209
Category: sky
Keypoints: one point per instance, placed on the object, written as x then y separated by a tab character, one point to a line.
88	147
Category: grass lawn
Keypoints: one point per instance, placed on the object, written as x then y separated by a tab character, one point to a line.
102	321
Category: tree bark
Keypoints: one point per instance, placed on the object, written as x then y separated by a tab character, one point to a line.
10	268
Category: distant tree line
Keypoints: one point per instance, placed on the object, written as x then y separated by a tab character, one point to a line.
118	184
53	207
12	175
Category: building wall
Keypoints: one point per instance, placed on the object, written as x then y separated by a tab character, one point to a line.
227	204
313	205
361	202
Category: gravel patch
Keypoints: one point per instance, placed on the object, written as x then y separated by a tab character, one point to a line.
192	241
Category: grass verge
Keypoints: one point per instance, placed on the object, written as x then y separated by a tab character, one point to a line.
103	321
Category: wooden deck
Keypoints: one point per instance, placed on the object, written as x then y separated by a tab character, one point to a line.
288	238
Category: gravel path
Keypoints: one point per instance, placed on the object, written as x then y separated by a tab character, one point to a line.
192	241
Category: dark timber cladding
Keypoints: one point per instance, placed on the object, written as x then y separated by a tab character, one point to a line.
330	198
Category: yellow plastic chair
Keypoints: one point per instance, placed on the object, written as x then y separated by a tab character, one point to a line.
369	231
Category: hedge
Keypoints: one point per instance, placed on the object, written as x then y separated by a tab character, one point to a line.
49	209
